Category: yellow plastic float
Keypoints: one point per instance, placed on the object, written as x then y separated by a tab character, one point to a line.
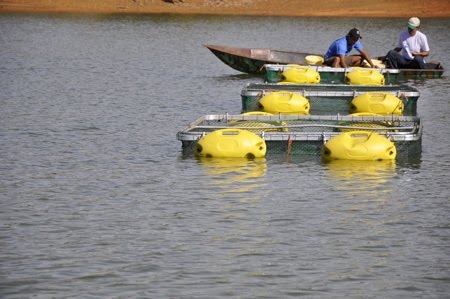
359	145
285	83
231	143
364	114
284	102
362	76
314	60
380	103
260	126
301	75
257	113
364	124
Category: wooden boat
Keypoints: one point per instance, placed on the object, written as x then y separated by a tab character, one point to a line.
329	99
306	135
252	61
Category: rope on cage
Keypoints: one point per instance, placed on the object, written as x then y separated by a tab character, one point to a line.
289	146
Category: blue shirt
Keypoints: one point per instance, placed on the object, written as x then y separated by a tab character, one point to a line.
341	47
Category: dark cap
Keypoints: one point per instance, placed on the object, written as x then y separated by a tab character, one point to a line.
355	33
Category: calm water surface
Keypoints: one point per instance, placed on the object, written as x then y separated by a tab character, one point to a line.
97	200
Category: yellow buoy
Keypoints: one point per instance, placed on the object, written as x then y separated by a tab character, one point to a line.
362	76
285	83
359	145
370	125
231	143
284	102
364	114
380	103
314	60
301	75
257	113
260	126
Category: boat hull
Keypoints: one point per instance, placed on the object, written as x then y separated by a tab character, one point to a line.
431	73
252	60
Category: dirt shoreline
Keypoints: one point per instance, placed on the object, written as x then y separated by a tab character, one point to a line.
305	8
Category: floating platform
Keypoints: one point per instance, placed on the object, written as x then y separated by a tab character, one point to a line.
328	75
306	135
328	99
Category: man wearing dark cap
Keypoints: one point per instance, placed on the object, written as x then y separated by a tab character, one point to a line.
337	54
412	47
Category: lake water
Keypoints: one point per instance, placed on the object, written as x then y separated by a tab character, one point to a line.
97	200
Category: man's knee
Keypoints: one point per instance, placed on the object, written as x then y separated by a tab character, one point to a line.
332	61
418	62
392	53
356	61
392	59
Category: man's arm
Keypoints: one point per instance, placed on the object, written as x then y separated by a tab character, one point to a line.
366	56
424	53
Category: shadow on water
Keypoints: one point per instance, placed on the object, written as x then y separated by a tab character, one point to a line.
239	77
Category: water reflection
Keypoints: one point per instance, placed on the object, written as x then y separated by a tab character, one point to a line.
362	175
361	188
234	174
234	181
365	206
363	191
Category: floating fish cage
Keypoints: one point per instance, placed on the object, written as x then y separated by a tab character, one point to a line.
328	99
274	73
306	135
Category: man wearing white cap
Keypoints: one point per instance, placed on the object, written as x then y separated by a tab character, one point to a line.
411	49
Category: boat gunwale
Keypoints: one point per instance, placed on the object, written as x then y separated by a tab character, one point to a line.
249	52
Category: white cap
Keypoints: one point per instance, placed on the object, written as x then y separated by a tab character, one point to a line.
413	23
